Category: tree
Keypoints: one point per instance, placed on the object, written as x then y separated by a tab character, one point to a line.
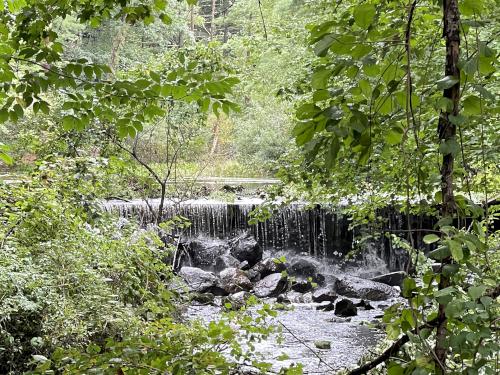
377	92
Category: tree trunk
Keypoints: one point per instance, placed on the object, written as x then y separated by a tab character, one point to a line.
447	132
212	21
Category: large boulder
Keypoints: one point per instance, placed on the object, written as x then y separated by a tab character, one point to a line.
345	308
392	278
268	266
246	248
354	287
304	268
204	253
226	261
234	280
197	279
326	294
271	285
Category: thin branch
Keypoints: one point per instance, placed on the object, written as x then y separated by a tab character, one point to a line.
263	21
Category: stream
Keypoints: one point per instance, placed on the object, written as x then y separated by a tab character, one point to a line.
316	238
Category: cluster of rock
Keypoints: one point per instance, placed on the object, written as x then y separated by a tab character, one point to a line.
236	269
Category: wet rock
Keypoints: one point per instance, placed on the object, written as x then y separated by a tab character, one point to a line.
268	266
328	307
197	279
338	320
304	268
234	280
354	287
326	294
307	297
271	285
365	305
253	275
283	298
204	253
392	278
246	248
302	286
237	300
226	261
323	344
203	298
345	307
295	297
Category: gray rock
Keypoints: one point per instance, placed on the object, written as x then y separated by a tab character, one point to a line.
268	266
307	297
324	294
305	268
271	285
392	278
203	298
237	300
253	275
234	280
345	307
323	344
226	261
204	253
354	287
246	248
197	279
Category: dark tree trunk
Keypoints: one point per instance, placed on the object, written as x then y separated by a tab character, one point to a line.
447	131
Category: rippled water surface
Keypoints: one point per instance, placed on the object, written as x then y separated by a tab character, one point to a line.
350	340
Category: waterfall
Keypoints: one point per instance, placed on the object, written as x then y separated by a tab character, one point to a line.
317	231
320	231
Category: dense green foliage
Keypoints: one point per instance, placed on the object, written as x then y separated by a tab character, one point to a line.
339	99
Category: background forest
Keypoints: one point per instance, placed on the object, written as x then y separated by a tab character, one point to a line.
362	101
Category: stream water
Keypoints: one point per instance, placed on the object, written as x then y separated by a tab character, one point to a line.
293	231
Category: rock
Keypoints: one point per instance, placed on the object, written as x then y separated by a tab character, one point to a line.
328	307
295	297
324	294
392	278
283	298
226	261
302	286
253	275
271	285
237	300
197	279
203	298
365	305
268	266
323	344
234	280
345	307
203	254
307	297
246	248
355	287
338	320
304	267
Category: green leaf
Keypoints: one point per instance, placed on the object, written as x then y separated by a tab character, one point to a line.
455	250
69	122
319	78
322	46
6	158
450	146
394	136
477	291
192	2
447	82
472	105
364	14
431	238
